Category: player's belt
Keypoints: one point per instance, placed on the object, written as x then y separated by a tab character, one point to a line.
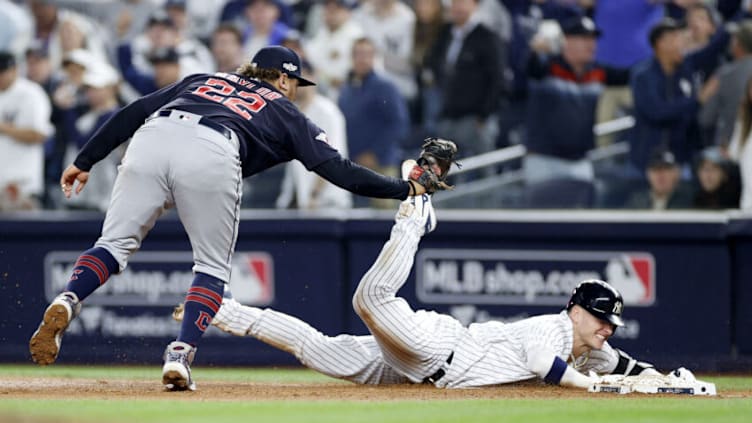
225	131
439	373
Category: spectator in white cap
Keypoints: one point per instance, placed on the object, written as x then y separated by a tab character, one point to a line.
100	83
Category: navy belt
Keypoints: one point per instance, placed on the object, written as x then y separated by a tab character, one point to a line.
439	373
225	131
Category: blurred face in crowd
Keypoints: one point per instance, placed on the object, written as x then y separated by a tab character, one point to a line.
178	15
7	77
700	24
579	50
711	175
44	12
335	15
262	14
74	72
165	73
38	67
670	46
226	47
460	11
428	10
162	35
382	4
663	179
364	54
101	97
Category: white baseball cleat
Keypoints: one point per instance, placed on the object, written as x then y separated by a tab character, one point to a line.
176	372
44	345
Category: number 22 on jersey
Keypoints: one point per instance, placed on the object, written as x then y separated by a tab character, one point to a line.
241	102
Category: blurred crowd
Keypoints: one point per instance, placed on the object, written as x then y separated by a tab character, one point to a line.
488	74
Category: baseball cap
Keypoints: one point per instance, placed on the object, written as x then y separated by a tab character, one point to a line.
100	75
283	59
662	158
164	55
7	60
79	56
581	25
161	17
663	26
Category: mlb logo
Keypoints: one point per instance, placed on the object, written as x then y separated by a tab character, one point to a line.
252	279
633	275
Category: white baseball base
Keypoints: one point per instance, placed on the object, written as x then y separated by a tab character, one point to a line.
680	381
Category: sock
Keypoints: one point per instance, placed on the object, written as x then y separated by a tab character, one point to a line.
201	304
93	267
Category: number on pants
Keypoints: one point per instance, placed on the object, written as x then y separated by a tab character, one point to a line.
241	102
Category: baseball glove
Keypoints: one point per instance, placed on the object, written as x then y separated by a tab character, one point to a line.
432	168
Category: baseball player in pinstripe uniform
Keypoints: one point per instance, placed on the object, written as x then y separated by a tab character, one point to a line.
425	346
192	143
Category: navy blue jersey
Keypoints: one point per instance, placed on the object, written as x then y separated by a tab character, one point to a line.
270	128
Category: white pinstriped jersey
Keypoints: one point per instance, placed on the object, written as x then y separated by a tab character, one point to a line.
493	353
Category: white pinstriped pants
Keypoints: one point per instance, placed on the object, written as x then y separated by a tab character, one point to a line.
416	344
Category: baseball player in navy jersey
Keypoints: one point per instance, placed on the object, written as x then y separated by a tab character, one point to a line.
428	347
192	143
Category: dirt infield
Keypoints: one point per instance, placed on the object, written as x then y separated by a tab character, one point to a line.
58	388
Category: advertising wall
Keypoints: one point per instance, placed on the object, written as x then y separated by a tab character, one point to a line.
682	277
278	264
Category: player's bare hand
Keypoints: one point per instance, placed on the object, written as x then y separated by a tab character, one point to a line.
70	175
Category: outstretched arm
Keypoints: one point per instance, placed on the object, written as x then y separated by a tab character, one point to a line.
552	369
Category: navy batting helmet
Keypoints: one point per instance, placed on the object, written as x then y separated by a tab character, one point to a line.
600	299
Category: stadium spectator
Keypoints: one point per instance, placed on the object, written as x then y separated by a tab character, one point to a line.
62	31
624	44
24	126
15	28
429	15
303	189
665	191
189	44
375	113
227	48
196	19
562	99
391	25
162	33
718	115
99	82
39	69
262	26
702	22
467	66
665	99
718	182
330	49
740	149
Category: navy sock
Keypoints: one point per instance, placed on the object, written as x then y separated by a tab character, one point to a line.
201	304
93	268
